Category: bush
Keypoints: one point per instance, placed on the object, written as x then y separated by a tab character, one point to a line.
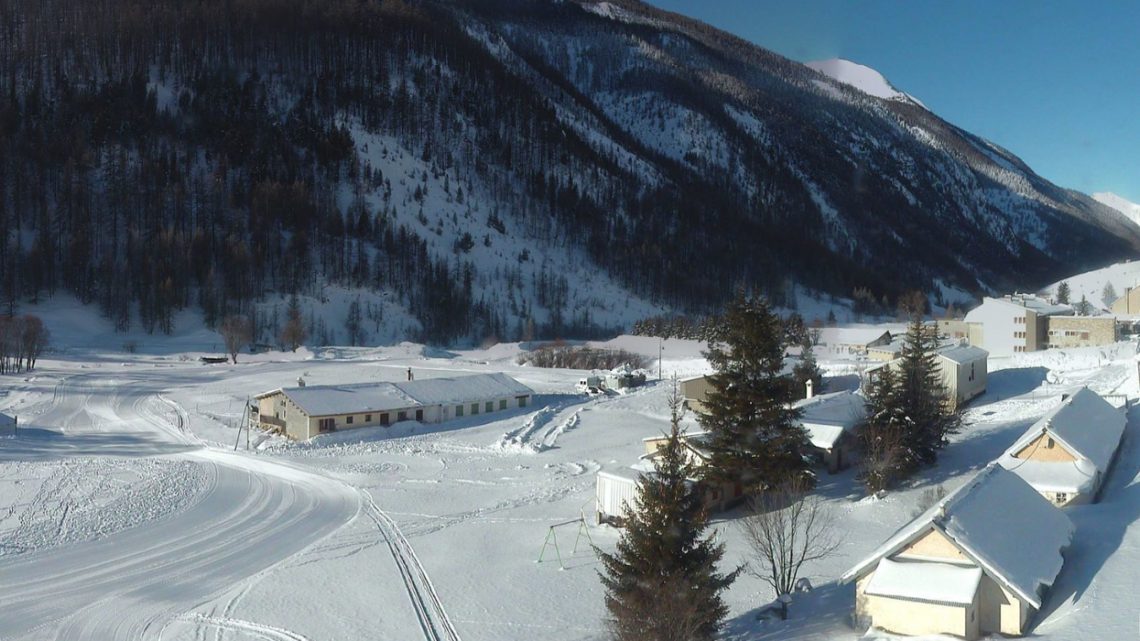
569	357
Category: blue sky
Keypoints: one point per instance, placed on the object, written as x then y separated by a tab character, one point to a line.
1057	83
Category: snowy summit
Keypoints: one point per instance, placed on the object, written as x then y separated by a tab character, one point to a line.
863	78
1130	209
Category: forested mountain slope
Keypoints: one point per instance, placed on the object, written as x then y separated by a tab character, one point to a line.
492	167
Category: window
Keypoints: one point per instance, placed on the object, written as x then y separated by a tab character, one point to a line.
503	404
1049	443
474	409
1084	336
349	419
521	400
971	371
458	411
367	418
327	425
419	415
384	419
402	416
489	406
1060	498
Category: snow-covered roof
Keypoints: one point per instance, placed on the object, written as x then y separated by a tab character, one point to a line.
1033	303
357	398
458	389
851	335
925	581
827	416
1088	427
326	400
998	521
963	354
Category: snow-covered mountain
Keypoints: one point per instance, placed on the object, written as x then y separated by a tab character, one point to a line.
861	77
448	169
1130	209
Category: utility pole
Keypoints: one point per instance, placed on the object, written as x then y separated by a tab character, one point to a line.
660	351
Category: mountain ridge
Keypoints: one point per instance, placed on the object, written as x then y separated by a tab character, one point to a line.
492	168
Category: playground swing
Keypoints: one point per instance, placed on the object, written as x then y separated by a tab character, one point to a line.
552	539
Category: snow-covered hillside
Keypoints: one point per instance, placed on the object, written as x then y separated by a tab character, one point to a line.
1091	285
1130	209
861	77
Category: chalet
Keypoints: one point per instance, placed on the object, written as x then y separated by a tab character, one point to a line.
1066	455
305	411
978	562
831	421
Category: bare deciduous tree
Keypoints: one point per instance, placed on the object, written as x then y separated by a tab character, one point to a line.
787	527
237	332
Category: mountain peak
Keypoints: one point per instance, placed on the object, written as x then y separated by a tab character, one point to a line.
1130	209
861	77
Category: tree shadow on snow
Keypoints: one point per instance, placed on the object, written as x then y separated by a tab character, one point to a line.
39	444
1100	527
1009	383
823	613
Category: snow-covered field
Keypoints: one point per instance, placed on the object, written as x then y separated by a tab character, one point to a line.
125	512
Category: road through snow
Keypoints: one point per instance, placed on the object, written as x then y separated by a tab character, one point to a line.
249	515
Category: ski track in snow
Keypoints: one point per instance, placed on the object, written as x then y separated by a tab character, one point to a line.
246	516
433	619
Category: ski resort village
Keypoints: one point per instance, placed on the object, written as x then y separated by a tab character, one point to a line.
407	491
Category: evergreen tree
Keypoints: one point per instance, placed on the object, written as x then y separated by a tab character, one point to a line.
754	438
920	398
807	369
293	333
1084	307
1108	295
662	582
881	438
1063	292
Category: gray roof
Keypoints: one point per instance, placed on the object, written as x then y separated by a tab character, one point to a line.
963	354
6	420
1086	424
1000	522
357	398
459	389
327	400
827	416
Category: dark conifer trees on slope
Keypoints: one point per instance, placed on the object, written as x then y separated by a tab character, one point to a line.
662	582
754	438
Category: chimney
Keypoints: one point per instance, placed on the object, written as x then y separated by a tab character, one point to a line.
411	377
300	382
810	388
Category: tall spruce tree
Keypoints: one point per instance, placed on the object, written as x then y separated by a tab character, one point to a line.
754	437
884	459
662	582
920	398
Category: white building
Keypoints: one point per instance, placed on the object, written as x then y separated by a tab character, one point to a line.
1067	453
303	412
1013	324
978	562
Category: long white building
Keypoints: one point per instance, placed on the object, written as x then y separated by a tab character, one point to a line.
303	412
